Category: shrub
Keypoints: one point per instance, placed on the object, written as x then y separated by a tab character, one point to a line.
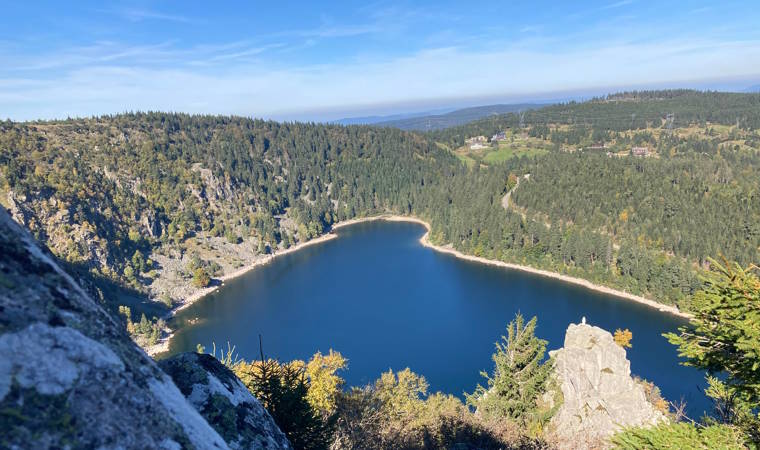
623	338
201	278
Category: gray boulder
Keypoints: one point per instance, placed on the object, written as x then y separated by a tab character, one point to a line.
224	402
600	397
70	376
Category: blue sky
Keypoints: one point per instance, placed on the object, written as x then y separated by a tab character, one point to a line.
312	60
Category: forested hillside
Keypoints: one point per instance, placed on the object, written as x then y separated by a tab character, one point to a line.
161	202
622	112
691	206
649	220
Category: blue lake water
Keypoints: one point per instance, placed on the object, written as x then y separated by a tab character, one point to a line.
384	301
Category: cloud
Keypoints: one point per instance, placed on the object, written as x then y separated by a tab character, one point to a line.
332	31
531	28
145	56
139	15
281	90
701	10
619	4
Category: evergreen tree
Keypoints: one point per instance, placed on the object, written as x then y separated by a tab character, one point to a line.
282	389
724	337
679	436
519	377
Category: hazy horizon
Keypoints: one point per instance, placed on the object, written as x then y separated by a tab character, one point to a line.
304	61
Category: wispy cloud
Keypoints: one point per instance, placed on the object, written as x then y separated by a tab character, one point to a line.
138	15
262	90
619	4
331	31
531	28
701	10
144	56
376	54
609	6
248	52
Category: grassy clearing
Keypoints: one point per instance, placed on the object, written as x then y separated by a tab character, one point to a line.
465	159
516	146
508	151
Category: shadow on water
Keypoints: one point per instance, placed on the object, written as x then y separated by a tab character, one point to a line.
384	301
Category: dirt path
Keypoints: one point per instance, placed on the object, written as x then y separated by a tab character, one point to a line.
505	200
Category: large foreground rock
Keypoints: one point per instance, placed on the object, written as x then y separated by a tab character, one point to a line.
600	397
70	376
224	402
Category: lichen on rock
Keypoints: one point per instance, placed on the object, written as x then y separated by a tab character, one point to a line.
222	399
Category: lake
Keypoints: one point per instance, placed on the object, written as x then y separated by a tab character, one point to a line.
384	301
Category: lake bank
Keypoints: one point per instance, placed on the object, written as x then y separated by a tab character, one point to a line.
163	345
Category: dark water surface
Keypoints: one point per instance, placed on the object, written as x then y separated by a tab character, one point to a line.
384	301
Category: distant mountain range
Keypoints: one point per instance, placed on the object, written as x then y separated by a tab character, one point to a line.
371	120
755	88
438	120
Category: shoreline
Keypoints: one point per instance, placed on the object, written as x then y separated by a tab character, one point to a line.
163	344
425	241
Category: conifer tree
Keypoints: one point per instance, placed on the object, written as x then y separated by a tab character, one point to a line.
519	376
724	337
282	390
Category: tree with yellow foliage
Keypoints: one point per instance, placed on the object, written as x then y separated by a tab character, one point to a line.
324	384
623	338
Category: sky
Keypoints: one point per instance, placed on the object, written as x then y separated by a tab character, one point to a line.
313	60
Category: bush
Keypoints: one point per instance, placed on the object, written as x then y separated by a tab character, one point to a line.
233	238
396	412
623	338
167	300
201	278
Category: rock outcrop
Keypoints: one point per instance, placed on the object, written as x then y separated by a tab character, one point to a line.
224	402
70	376
600	397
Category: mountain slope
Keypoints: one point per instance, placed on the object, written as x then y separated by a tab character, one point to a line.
453	118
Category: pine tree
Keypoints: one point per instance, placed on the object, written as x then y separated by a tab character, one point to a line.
519	377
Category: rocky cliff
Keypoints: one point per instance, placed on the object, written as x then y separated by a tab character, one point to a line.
600	396
70	376
224	401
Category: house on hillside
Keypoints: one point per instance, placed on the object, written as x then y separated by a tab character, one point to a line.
640	151
500	136
476	140
598	146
